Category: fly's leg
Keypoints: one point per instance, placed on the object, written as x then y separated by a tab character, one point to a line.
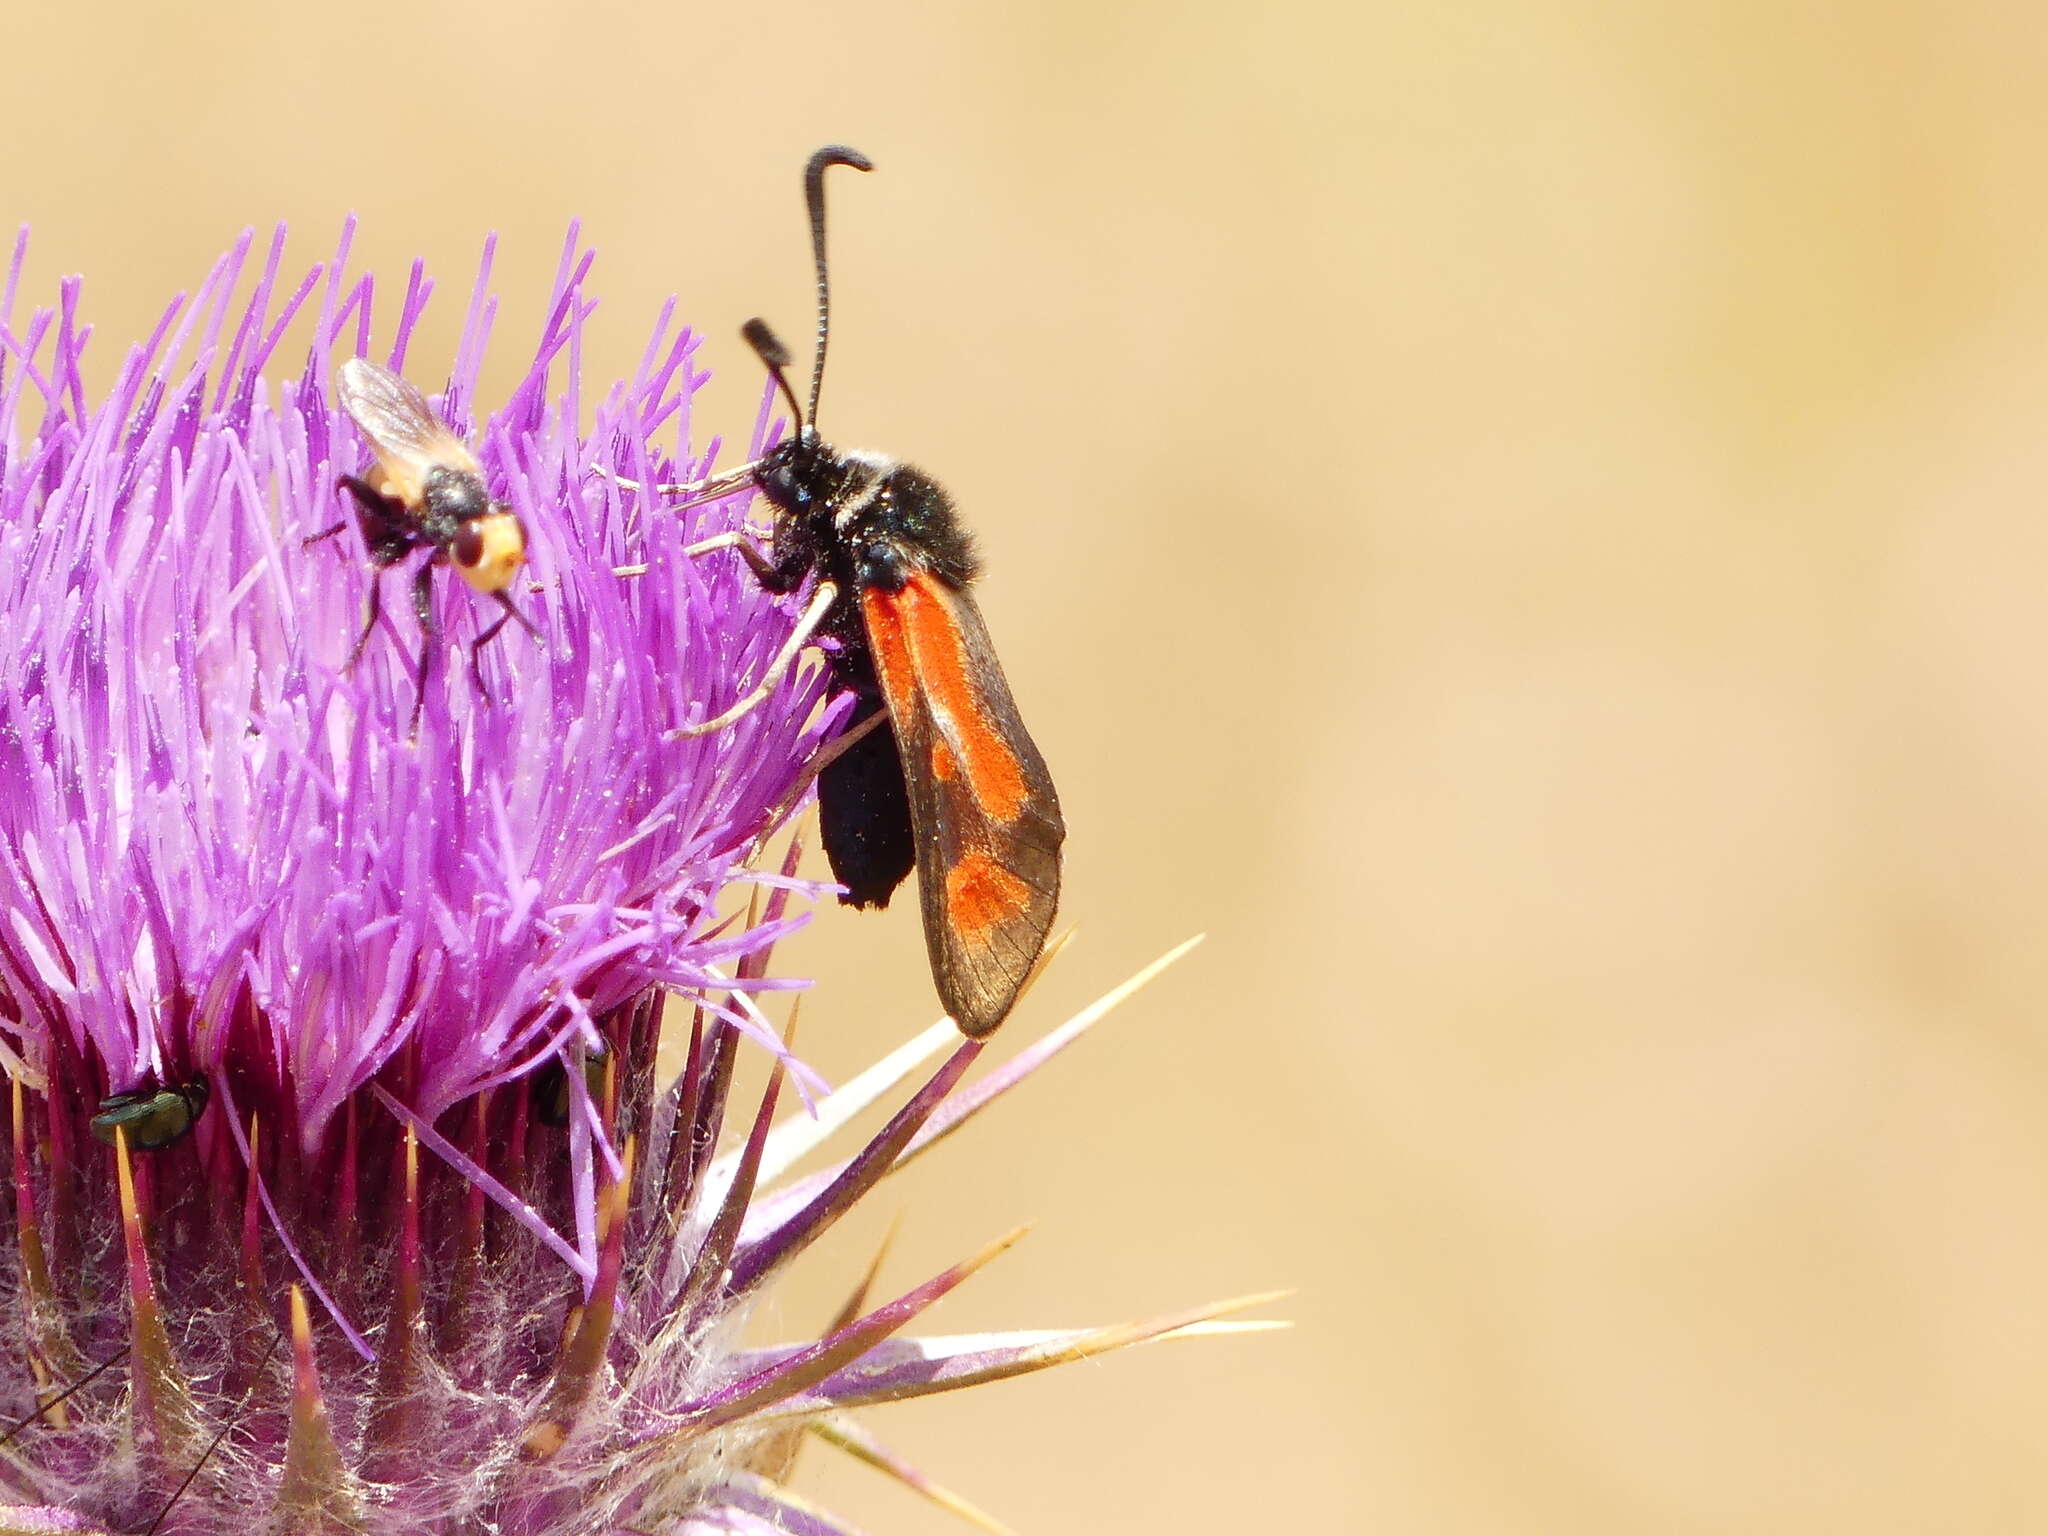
476	650
373	609
430	636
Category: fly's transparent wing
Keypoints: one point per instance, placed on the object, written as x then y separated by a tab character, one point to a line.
403	431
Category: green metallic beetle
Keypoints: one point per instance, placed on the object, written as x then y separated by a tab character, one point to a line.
153	1117
552	1101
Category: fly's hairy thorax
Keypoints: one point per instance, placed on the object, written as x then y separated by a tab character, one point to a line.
450	497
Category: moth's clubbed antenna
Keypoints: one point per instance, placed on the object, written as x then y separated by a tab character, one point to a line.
814	203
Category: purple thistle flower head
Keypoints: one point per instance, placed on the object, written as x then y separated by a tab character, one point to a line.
340	902
380	1009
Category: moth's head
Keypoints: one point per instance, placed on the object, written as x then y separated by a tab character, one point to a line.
798	473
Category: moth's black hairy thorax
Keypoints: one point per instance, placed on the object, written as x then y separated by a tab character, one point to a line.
860	520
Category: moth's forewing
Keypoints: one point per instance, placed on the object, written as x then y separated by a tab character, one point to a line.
985	816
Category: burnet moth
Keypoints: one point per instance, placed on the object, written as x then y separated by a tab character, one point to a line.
425	489
937	770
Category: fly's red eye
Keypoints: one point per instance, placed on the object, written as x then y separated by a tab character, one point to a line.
488	551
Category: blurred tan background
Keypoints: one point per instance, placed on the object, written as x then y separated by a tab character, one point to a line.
1525	521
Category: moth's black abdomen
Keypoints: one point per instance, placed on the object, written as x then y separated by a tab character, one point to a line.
864	815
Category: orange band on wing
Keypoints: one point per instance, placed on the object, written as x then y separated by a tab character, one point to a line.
918	649
889	645
981	895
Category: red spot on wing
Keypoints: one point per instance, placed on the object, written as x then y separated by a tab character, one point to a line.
919	650
981	895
